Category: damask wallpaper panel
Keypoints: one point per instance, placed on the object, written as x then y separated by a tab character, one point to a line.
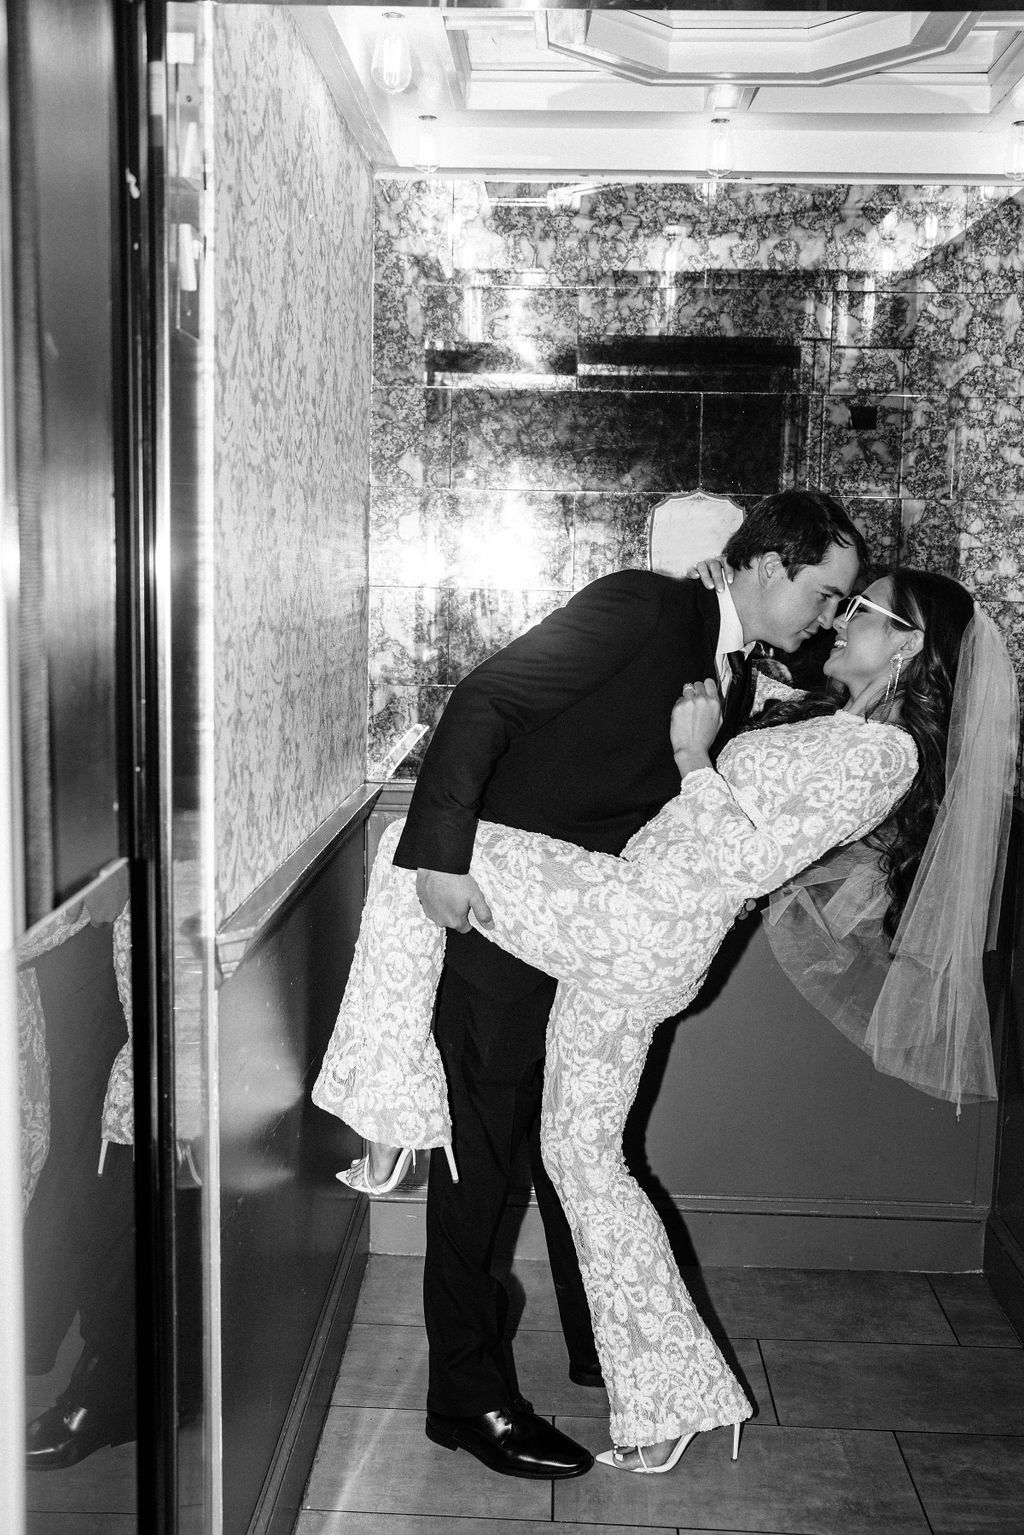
294	282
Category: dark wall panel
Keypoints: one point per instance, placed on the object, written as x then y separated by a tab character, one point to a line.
71	48
284	1217
1004	1249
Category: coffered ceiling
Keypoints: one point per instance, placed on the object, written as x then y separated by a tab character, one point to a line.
603	92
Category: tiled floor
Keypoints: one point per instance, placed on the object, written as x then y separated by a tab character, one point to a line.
886	1404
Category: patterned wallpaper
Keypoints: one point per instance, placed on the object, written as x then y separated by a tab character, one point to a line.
543	375
293	247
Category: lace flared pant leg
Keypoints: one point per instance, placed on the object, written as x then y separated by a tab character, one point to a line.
664	1374
382	1073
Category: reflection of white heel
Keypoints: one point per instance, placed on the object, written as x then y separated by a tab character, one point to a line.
735	1440
450	1155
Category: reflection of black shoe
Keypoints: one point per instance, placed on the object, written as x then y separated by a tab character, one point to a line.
586	1372
514	1443
62	1436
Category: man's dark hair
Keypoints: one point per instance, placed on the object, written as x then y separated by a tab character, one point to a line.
799	525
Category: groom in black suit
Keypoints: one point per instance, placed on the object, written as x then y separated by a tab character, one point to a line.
565	731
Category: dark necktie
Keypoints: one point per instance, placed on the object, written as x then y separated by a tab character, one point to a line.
735	699
738	666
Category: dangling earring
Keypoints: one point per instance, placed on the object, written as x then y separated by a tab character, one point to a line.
895	667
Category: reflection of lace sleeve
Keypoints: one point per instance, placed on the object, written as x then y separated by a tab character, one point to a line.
795	794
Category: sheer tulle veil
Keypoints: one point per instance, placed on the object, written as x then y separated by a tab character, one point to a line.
918	1005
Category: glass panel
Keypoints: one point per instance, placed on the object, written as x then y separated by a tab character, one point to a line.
189	713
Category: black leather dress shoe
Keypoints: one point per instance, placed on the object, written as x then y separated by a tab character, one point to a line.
586	1372
62	1436
514	1443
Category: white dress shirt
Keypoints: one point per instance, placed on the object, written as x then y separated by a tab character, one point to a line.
730	638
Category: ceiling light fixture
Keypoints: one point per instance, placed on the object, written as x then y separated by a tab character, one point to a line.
721	152
391	66
1013	167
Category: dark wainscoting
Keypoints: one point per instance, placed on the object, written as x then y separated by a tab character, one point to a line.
293	1239
1004	1245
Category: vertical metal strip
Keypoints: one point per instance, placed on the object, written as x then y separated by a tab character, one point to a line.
26	406
156	1232
12	1327
204	639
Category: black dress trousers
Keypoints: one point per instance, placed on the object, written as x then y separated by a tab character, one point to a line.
494	1058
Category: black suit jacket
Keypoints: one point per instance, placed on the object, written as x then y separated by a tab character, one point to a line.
565	731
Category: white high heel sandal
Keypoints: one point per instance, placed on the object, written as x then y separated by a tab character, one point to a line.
614	1457
358	1175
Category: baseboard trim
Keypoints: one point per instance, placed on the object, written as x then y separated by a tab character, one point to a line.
281	1495
868	1235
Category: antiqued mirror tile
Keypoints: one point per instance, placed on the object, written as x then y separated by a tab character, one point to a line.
405	546
796	440
502	315
928	537
628	307
1009	616
866	317
864	370
472	538
861	459
929	448
878	518
509	538
783	306
483	621
991	548
741	443
611	532
518	238
764	248
690	364
398	321
394	708
412	236
580	441
408	635
776	207
936	325
411	436
990	448
995	233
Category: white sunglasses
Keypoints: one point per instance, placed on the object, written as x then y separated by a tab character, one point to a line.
860	601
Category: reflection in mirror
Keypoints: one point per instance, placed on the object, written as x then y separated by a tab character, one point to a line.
188	712
75	1076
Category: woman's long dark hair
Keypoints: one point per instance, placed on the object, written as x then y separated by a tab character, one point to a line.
942	609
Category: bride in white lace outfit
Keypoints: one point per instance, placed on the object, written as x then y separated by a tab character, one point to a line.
630	940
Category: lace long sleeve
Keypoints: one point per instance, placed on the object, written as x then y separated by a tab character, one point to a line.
808	796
